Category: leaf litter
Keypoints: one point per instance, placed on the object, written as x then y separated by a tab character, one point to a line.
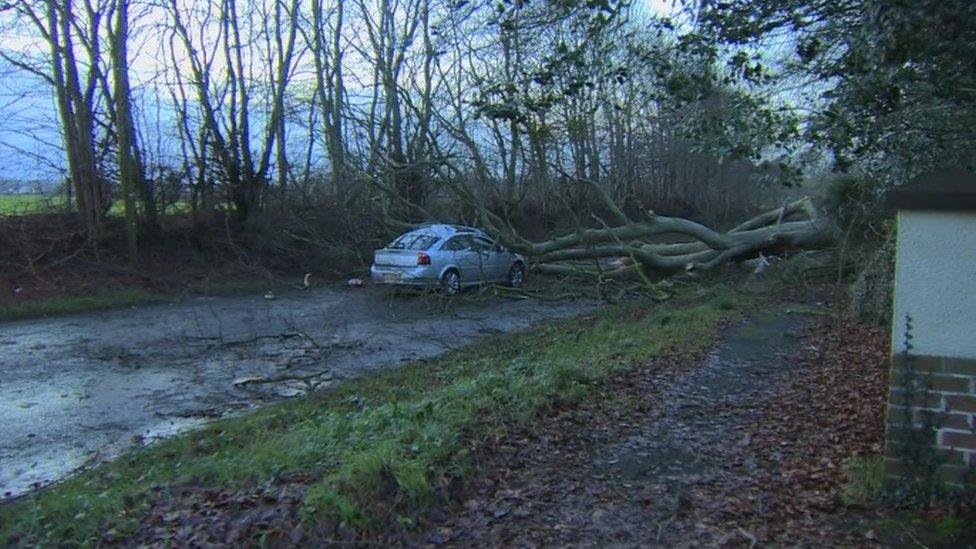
739	445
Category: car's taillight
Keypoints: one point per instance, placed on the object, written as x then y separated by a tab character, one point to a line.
423	259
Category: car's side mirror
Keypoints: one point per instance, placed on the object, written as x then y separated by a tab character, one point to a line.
497	247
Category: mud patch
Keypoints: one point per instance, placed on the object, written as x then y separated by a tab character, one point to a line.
703	425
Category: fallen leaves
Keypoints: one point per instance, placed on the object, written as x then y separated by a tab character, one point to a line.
767	466
779	468
832	410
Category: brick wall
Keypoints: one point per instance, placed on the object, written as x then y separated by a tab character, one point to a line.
945	389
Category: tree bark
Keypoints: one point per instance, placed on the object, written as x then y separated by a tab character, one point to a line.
129	169
74	110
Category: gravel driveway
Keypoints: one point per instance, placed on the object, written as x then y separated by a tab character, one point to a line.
78	389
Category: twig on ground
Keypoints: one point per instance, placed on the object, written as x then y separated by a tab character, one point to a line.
748	536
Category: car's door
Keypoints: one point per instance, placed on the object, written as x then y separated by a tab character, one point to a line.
504	259
481	260
463	256
494	259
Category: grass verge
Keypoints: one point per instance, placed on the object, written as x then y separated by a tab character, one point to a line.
65	305
121	298
382	446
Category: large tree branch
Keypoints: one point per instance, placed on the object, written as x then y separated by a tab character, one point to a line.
710	249
657	225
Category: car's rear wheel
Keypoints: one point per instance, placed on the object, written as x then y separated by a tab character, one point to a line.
451	283
516	275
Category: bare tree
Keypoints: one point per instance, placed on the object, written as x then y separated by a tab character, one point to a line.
130	169
327	56
66	27
225	98
421	109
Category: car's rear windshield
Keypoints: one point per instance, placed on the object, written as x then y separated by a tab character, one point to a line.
413	241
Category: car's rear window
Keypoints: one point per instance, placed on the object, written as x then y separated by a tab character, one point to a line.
413	241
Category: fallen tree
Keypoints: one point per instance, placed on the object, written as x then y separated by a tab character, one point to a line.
687	245
656	244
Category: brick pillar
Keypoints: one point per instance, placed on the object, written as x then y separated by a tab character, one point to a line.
945	388
934	320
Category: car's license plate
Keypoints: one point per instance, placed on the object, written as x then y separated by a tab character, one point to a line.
391	278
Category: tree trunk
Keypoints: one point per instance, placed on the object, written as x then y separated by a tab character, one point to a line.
76	117
129	169
337	147
769	232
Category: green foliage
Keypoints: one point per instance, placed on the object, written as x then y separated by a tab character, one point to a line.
564	71
733	123
601	59
895	77
380	446
873	290
865	479
856	202
912	528
950	528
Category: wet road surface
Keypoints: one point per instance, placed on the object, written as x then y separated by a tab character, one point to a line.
79	389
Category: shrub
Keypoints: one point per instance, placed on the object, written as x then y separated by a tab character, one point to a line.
872	291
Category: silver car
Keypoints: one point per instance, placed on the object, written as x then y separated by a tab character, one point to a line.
446	256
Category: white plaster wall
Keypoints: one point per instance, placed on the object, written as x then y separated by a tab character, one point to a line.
935	282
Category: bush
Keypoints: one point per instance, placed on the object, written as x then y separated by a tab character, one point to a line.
872	291
856	204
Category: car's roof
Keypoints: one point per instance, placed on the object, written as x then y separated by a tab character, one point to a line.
444	230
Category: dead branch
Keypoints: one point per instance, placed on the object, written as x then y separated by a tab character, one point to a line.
311	382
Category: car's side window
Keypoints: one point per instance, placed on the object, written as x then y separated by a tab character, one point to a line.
457	244
482	244
450	245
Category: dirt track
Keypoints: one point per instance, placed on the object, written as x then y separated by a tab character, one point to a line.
739	448
82	388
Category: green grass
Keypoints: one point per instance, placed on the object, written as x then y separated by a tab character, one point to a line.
130	297
22	204
65	305
865	479
384	445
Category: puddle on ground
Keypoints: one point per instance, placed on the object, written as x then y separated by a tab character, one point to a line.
644	460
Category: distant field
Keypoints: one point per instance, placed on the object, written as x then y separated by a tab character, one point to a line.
21	204
15	204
